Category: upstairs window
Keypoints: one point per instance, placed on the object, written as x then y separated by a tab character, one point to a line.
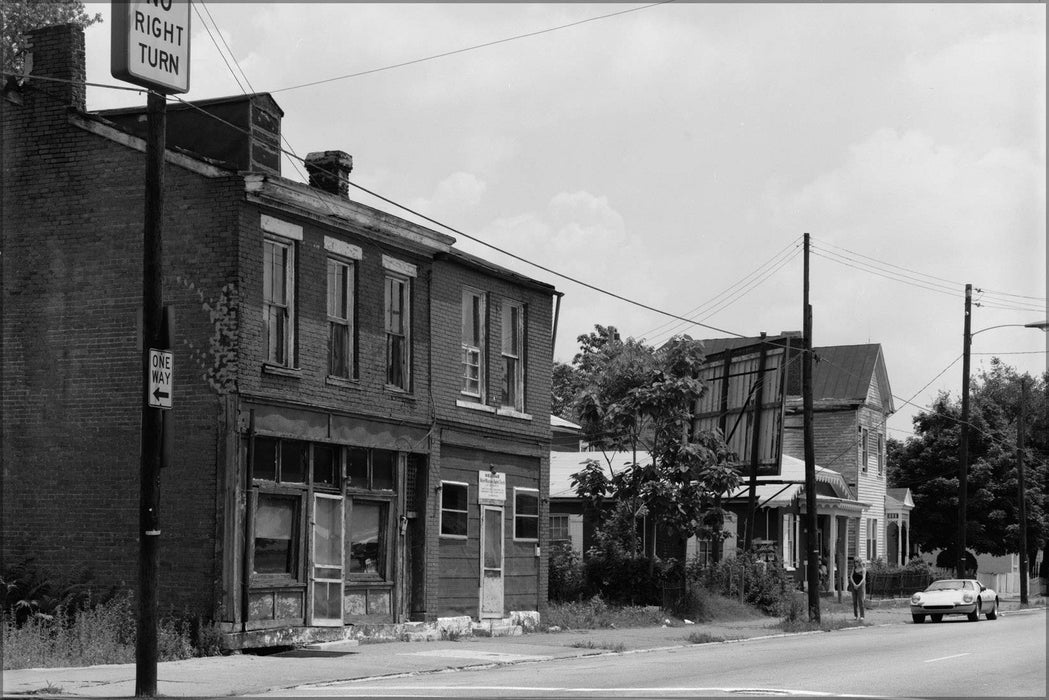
398	319
278	284
513	356
341	341
473	328
865	453
881	454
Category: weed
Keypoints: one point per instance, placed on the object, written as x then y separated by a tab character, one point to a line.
617	647
824	625
49	689
451	635
703	638
596	614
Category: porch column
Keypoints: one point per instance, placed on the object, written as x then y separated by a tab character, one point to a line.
832	553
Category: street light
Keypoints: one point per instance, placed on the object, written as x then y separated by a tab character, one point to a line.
963	445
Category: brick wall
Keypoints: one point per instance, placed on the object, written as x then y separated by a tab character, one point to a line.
72	386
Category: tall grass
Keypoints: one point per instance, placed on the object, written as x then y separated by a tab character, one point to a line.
95	634
597	614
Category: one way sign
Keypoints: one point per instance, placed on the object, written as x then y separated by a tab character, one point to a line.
161	367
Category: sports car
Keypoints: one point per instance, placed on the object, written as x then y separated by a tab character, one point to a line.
954	597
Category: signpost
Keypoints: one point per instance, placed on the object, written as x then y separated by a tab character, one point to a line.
150	43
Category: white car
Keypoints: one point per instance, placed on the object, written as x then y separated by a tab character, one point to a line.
954	597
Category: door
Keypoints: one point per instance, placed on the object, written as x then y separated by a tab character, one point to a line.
326	567
491	562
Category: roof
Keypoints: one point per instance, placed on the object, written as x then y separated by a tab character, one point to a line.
564	464
774	495
792	469
559	422
472	261
898	500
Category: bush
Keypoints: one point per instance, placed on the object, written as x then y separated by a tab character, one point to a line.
49	622
765	585
567	573
628	580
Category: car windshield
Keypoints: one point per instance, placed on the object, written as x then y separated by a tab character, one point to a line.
950	585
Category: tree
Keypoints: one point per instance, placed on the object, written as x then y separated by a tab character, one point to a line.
636	398
928	464
21	16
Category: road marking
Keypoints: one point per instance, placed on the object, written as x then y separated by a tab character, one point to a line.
348	690
944	658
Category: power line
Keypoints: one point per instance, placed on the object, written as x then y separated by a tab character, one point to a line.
468	48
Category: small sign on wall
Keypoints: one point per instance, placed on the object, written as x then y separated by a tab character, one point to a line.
491	487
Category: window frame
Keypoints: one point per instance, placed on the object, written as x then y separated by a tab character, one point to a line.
865	454
384	567
287	304
465	512
514	357
347	323
555	530
480	348
521	491
881	454
390	281
295	577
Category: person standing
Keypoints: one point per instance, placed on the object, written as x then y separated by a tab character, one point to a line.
858	586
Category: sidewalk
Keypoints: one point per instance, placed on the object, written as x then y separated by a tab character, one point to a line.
246	674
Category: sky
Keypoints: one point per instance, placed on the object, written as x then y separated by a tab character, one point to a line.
675	154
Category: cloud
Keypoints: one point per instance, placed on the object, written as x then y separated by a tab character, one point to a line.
455	194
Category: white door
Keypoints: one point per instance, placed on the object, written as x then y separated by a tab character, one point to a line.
491	562
326	567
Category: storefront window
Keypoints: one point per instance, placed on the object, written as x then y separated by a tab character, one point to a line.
276	534
365	555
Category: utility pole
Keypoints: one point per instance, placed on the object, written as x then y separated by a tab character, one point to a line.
1022	495
146	648
963	441
811	538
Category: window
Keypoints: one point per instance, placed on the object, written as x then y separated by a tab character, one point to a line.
374	470
454	514
881	454
341	345
526	514
864	449
513	356
398	320
473	344
282	461
277	535
872	539
366	540
559	529
278	284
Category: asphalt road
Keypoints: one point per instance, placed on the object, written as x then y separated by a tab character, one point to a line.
955	658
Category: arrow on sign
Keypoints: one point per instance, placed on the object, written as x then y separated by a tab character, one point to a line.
158	394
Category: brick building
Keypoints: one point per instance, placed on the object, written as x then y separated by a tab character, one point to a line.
360	410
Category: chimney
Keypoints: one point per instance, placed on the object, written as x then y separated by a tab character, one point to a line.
330	171
57	52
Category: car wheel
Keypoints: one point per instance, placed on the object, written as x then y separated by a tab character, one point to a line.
974	616
937	618
992	614
918	619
